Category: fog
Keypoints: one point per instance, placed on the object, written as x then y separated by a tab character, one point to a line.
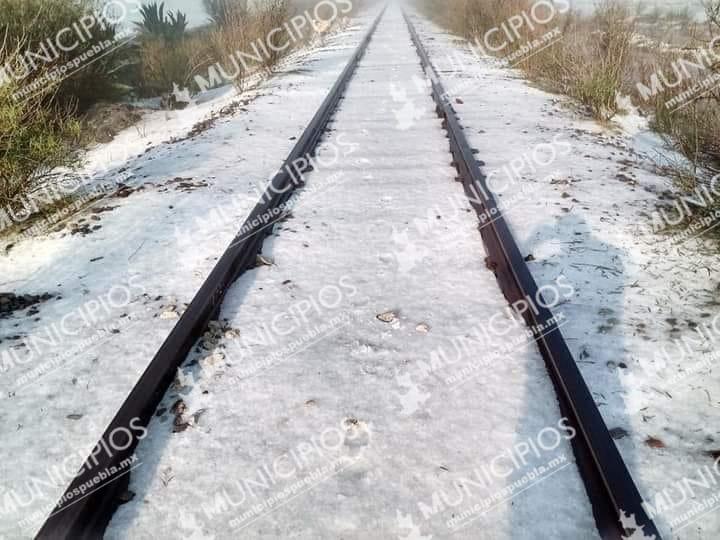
196	13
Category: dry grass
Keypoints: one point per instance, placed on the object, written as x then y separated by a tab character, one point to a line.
163	64
36	135
232	34
692	125
249	32
260	34
605	55
589	61
272	16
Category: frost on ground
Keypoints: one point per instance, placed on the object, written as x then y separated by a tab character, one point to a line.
122	271
581	200
367	378
362	396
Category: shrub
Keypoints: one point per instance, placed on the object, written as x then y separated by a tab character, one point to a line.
692	127
164	64
221	10
589	62
35	138
694	130
271	15
231	35
27	25
592	60
247	31
168	54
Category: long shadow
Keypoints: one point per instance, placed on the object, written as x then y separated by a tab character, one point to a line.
591	319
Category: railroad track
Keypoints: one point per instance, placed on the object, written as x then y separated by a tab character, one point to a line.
609	485
607	481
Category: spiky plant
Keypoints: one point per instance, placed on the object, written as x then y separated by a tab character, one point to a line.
157	23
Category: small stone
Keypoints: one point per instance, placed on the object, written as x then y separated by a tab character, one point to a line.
261	260
654	442
126	496
423	328
178	407
231	334
387	317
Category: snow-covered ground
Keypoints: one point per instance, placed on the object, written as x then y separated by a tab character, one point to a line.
644	320
123	269
332	411
369	381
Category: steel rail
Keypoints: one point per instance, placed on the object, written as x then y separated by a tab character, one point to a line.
610	487
87	506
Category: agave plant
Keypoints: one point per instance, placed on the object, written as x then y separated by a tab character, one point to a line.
156	22
178	23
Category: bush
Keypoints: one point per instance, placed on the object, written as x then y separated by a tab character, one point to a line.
220	11
692	127
589	62
694	130
243	30
273	14
592	60
164	64
28	26
232	34
35	138
168	54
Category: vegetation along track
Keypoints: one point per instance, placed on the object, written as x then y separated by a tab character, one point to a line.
610	488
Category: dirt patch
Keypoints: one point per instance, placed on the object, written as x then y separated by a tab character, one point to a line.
124	191
185	185
102	209
11	302
83	229
206	124
104	120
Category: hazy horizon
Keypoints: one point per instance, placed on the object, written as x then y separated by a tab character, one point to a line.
196	12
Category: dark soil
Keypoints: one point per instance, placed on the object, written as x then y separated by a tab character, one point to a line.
11	302
103	121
